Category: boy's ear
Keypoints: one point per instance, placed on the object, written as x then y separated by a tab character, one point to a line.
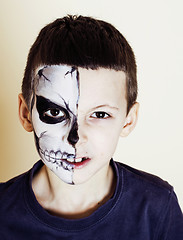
24	114
131	120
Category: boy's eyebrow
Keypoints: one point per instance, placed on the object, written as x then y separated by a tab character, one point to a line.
106	105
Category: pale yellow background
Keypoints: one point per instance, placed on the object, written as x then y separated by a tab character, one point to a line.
154	30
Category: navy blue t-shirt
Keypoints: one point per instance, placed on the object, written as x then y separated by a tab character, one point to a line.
143	207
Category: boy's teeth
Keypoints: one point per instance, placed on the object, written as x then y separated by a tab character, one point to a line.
78	159
74	160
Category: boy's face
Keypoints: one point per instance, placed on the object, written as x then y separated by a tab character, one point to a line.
77	116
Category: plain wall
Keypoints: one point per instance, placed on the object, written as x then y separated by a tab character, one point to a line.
154	30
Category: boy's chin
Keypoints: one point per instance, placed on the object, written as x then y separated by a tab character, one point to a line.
64	175
71	175
75	179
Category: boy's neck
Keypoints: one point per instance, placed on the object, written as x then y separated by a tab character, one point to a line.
73	201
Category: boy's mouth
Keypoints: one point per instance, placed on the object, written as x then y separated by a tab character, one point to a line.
67	163
78	162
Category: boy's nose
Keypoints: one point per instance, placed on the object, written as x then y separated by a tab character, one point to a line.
73	135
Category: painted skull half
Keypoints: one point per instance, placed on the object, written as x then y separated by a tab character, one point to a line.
54	118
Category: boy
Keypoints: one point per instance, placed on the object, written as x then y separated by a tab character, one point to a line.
78	96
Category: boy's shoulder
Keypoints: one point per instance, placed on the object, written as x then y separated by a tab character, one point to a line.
15	184
145	182
12	185
145	191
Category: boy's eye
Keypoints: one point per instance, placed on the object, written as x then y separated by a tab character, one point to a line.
50	112
54	113
100	115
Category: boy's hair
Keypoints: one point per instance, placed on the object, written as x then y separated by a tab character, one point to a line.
81	42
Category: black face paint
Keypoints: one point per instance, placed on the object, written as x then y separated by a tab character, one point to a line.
49	112
73	137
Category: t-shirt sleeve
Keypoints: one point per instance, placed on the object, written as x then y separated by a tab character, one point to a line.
171	224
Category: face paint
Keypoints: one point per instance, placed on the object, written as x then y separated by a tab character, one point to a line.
54	118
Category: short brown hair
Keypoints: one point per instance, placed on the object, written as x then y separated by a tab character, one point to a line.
81	42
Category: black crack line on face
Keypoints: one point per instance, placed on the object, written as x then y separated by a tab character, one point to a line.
66	105
35	82
59	158
38	77
71	71
42	134
40	73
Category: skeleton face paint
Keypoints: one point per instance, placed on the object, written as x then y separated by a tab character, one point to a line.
54	118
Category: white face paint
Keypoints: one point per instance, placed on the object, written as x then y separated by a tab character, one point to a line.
54	118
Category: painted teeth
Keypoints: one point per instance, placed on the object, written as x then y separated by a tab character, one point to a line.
64	165
52	157
69	167
58	158
58	155
70	159
47	156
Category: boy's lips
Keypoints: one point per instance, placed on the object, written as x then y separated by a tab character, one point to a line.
78	162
